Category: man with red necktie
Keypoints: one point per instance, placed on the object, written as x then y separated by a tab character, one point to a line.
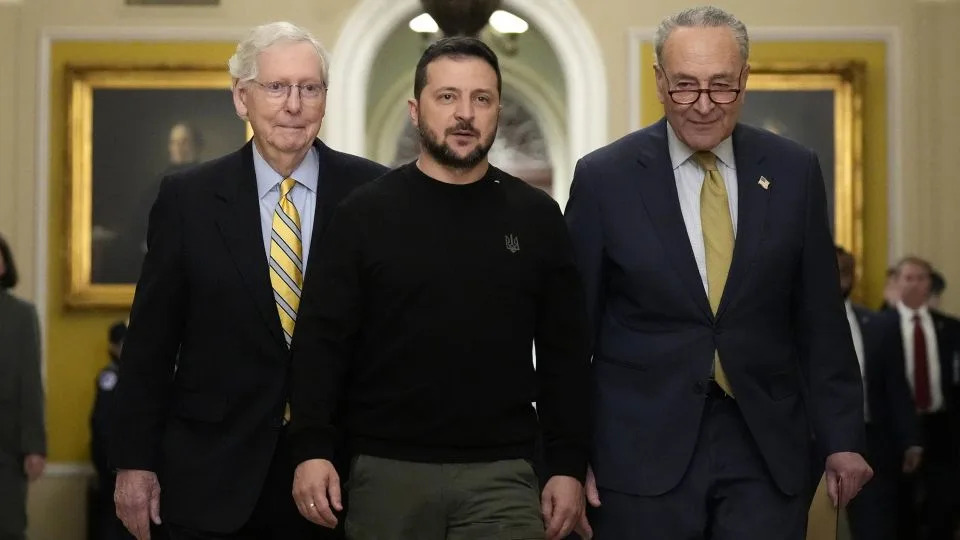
930	345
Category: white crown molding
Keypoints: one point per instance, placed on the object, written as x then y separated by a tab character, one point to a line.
142	33
890	35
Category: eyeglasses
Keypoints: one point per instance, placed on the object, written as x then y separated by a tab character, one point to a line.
720	96
281	90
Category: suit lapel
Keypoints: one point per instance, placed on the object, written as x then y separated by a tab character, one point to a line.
239	222
752	202
658	187
945	350
332	187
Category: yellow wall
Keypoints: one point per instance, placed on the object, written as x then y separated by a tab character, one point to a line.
77	340
873	54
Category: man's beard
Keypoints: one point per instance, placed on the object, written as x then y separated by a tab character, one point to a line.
445	155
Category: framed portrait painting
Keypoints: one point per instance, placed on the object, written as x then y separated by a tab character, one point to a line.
128	128
819	105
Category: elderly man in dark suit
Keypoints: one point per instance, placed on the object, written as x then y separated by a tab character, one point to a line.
720	340
200	436
23	440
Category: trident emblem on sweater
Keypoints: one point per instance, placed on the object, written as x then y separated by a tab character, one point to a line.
512	243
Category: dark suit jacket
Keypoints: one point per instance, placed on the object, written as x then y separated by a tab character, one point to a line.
102	424
780	321
205	365
21	407
21	390
889	401
941	440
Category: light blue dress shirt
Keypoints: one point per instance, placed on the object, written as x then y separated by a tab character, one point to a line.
304	197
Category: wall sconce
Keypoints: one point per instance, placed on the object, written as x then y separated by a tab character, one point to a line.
501	29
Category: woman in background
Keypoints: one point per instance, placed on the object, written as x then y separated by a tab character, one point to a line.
23	441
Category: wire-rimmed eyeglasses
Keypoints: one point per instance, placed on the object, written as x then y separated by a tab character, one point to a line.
687	96
281	90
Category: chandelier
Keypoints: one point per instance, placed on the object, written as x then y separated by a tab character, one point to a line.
470	18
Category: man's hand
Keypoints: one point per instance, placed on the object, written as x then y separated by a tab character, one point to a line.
561	505
847	473
33	465
912	459
316	490
137	496
593	499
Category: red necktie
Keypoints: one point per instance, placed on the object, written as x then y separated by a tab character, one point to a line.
921	378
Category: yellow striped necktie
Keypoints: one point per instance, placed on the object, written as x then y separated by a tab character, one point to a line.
717	242
286	259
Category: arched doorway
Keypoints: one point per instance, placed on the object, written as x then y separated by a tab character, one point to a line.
572	40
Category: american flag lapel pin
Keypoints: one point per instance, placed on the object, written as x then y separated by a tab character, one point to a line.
764	183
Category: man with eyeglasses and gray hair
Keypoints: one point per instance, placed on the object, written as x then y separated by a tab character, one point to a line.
201	443
720	339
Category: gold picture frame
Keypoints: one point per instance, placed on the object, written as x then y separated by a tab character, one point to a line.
120	119
820	105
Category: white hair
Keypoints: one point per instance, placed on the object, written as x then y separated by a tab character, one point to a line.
243	63
702	17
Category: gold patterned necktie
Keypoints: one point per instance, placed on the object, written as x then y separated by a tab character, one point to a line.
717	242
286	259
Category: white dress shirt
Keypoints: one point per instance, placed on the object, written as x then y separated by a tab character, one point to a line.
304	195
689	177
933	352
857	335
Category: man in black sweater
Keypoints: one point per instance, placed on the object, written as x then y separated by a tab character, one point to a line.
416	335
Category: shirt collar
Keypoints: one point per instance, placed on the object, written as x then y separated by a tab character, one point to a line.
680	152
907	313
306	173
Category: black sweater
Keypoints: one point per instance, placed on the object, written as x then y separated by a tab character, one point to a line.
416	327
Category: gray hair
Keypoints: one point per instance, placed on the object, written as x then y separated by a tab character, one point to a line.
702	17
243	63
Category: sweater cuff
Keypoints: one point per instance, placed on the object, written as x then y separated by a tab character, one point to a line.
138	448
566	461
306	445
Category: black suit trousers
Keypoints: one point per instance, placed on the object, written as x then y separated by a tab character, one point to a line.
726	493
873	514
275	517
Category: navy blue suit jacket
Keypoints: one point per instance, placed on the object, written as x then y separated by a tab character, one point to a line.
889	400
938	444
780	324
